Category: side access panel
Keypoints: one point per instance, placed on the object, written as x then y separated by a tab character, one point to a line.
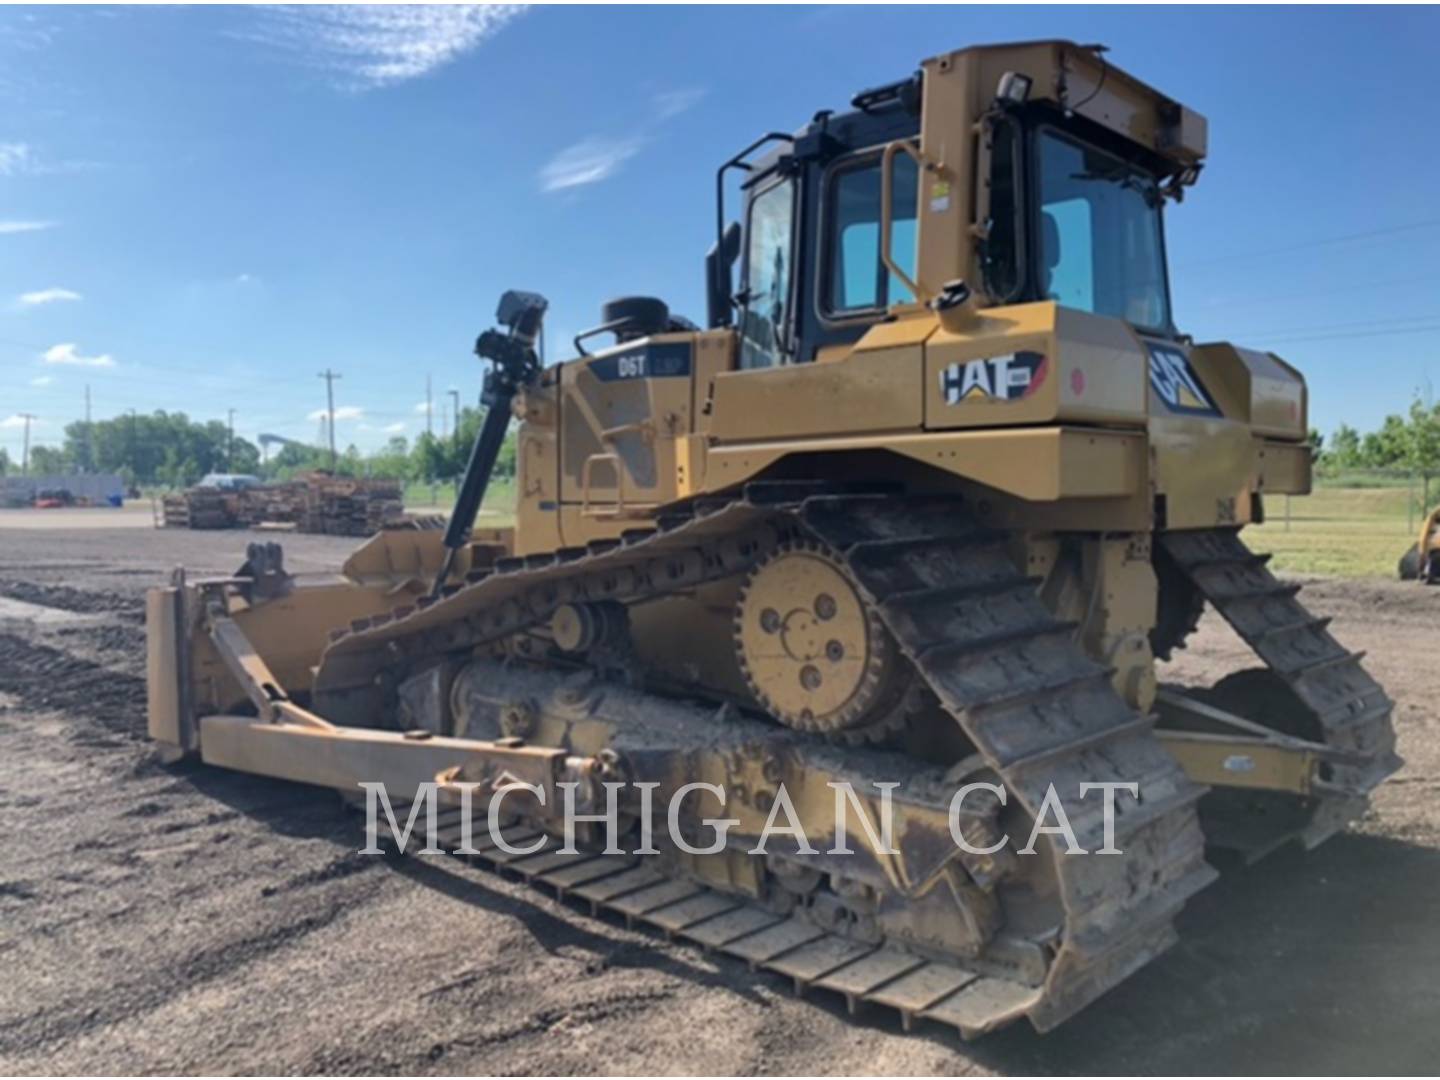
623	413
874	389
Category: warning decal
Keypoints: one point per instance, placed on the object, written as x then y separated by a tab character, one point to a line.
1176	384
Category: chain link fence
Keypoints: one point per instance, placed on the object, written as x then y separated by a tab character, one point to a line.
1355	521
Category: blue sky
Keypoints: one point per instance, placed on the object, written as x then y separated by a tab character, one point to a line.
202	208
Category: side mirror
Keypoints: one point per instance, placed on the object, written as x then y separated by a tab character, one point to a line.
719	277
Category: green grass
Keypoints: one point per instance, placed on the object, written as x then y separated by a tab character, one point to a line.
1340	531
499	506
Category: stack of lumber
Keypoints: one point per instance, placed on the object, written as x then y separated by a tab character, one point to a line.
175	511
278	504
317	503
200	508
346	507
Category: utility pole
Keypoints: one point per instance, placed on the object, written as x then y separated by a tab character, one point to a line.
130	450
429	417
89	433
455	396
25	454
330	377
230	444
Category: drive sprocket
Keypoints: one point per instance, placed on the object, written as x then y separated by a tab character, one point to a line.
814	652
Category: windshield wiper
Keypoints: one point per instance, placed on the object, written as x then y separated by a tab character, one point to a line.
1126	178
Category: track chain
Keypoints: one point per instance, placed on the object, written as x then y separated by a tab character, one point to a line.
864	974
1010	674
1350	708
1041	713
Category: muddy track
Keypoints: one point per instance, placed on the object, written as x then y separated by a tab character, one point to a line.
168	919
46	678
75	600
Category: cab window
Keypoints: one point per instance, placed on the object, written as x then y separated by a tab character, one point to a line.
768	272
1101	246
857	280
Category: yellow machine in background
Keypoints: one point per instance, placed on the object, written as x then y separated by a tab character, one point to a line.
924	503
1422	562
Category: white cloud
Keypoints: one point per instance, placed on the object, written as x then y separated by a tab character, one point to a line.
389	429
15	158
67	354
42	380
244	279
366	47
345	412
599	157
19	421
422	407
47	296
24	226
588	161
670	103
20	159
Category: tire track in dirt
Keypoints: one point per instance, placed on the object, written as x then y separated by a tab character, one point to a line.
48	679
128	998
80	601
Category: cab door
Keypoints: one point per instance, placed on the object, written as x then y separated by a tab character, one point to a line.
767	318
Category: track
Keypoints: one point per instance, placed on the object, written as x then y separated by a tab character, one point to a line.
1347	708
1010	674
863	974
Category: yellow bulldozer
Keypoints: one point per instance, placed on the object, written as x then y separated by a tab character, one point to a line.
913	517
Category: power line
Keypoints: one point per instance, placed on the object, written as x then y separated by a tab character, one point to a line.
1384	322
1354	334
1306	245
1255	299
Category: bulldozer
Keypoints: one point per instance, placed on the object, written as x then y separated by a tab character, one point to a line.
917	514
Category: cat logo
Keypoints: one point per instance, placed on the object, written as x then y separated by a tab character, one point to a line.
996	378
1177	385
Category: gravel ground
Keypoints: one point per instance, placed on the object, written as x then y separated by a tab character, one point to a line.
178	919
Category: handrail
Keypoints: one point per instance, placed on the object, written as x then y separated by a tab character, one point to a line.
886	160
586	477
739	162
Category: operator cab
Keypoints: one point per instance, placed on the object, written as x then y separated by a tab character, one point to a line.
810	271
1075	217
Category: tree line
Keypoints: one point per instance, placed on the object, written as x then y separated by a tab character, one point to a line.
169	449
1409	441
